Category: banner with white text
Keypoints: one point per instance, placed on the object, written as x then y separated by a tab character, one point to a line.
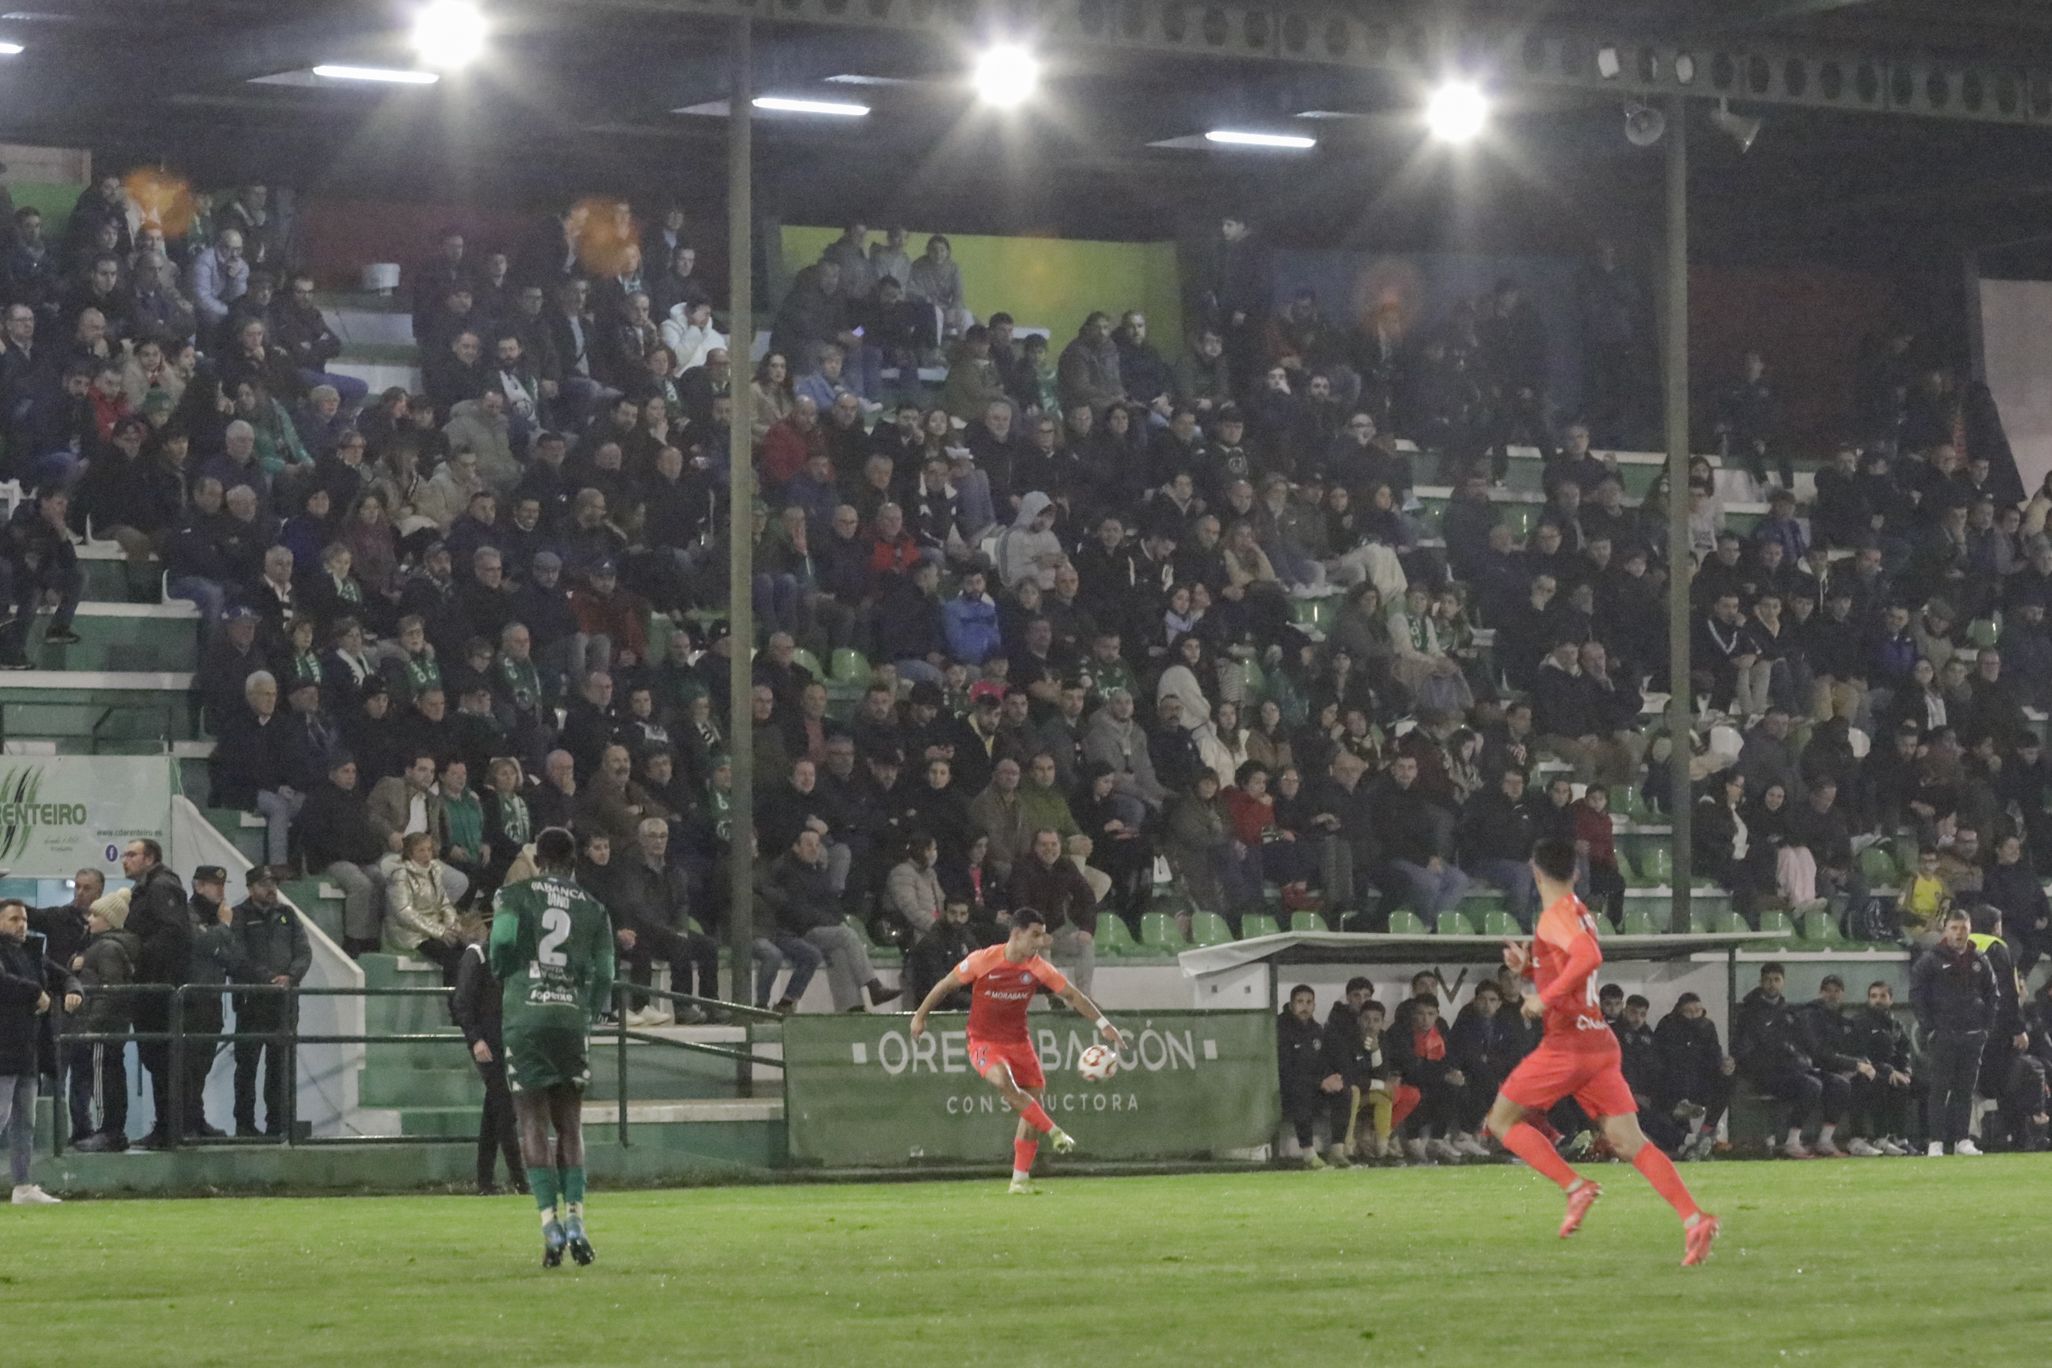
60	813
861	1092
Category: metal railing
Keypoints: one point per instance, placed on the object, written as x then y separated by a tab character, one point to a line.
284	1039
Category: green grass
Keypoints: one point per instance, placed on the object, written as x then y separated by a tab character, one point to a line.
1853	1262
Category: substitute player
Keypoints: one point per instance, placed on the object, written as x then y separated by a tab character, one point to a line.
1579	1058
1003	979
552	946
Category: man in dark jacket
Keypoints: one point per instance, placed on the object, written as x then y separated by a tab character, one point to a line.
934	955
1049	882
1309	1080
274	951
1639	1050
2008	1072
1413	836
26	980
63	928
1771	1051
1831	1040
477	1013
160	921
795	889
652	918
1485	1048
337	840
1496	843
1428	1098
1952	988
1695	1072
37	548
1880	1105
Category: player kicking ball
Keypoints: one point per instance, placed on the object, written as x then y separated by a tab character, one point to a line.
1003	980
1579	1058
552	947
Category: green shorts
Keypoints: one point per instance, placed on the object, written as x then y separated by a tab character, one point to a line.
543	1056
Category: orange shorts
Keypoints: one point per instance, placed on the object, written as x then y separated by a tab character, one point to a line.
1019	1054
1594	1078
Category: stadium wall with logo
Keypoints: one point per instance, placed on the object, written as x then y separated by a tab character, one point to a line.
61	814
860	1092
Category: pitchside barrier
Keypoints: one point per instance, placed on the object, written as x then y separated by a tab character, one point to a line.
860	1092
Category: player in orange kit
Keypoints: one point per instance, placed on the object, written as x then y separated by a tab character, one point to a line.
1004	979
1579	1058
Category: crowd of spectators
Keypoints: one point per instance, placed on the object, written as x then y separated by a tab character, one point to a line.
1070	573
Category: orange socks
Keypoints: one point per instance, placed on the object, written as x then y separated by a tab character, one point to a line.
1660	1172
1529	1145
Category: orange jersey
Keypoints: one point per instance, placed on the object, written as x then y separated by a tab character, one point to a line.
1565	957
1003	990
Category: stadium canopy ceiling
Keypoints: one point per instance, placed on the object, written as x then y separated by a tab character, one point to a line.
1916	114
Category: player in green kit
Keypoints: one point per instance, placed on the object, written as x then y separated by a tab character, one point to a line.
552	946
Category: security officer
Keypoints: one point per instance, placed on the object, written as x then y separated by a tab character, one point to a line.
215	955
1953	990
273	950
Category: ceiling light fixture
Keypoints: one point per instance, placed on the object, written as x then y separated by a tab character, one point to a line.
1236	138
332	71
839	109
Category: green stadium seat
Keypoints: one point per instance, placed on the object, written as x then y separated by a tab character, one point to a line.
1114	937
1460	921
1719	920
1208	928
1158	931
1497	922
1655	865
1820	926
1253	681
1877	866
1905	850
1981	633
1259	924
1404	922
1307	920
850	668
1775	920
803	657
1639	921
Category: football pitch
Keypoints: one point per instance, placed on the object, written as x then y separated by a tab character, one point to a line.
1846	1262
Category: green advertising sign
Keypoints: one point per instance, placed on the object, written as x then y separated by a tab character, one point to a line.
860	1091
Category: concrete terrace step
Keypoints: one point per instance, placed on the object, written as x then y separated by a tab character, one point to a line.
126	636
106	705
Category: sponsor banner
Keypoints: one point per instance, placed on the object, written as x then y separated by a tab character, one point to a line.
60	813
860	1091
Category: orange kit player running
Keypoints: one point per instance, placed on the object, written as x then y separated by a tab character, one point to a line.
1579	1058
1004	979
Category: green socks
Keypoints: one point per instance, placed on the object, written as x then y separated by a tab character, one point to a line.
573	1189
543	1180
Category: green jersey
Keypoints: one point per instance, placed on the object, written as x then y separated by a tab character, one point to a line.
552	946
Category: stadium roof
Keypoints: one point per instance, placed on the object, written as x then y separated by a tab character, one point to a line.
604	86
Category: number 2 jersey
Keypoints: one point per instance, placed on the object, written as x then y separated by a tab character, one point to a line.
552	947
1002	991
1565	958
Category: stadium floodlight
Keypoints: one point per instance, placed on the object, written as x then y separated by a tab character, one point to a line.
838	109
1457	112
1006	75
449	33
333	71
11	49
1233	137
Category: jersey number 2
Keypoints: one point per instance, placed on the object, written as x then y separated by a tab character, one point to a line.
555	930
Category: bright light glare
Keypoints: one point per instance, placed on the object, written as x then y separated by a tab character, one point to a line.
390	75
449	33
837	108
1007	76
11	49
1457	111
1235	138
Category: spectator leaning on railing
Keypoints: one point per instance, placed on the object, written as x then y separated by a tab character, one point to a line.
27	979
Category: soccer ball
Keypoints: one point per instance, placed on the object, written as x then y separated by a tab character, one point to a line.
1098	1063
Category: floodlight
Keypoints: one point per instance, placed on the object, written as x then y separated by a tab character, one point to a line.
1739	127
1644	124
449	33
11	49
1232	137
1608	64
1006	75
1457	112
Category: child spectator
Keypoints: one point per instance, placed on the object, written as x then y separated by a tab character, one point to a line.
1596	842
1925	901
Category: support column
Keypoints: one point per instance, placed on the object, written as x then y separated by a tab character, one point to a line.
1675	359
740	514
